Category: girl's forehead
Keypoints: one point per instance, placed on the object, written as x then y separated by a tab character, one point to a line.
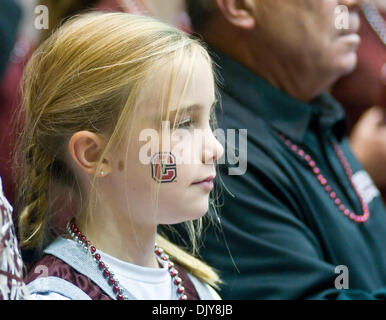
164	93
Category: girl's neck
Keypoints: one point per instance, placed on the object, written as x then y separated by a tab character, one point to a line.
121	239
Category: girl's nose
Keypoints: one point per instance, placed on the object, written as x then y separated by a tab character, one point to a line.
212	149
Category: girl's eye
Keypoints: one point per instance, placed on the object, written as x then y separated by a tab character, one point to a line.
185	124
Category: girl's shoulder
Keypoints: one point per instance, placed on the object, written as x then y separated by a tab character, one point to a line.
195	289
52	278
204	290
69	272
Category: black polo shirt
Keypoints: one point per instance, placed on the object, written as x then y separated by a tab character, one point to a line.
285	238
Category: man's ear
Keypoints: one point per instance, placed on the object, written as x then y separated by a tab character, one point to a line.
238	12
85	149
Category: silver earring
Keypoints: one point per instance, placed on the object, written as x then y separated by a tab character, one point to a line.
102	173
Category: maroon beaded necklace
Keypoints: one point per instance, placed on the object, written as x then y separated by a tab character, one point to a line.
162	257
324	183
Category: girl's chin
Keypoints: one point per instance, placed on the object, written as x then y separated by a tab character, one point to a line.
190	217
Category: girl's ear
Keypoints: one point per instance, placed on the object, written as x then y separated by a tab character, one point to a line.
85	149
239	12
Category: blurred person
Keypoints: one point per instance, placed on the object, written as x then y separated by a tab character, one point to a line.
306	221
60	10
12	286
171	11
10	18
11	265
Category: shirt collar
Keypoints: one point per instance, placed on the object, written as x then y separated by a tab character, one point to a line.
285	113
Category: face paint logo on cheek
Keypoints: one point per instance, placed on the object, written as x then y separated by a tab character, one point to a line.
163	167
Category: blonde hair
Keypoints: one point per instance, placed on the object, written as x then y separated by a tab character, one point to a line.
88	76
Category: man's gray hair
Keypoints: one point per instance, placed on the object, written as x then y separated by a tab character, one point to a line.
200	12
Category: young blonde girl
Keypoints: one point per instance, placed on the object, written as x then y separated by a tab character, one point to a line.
92	91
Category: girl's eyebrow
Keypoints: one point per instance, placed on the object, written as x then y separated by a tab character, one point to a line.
190	108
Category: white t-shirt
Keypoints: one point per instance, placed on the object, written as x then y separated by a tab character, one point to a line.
144	283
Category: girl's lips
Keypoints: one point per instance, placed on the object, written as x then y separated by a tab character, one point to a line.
206	184
208	179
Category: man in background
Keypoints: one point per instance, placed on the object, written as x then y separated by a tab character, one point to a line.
306	221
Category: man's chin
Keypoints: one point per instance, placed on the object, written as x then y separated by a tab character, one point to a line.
351	40
346	64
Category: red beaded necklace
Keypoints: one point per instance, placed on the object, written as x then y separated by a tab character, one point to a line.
162	257
324	183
